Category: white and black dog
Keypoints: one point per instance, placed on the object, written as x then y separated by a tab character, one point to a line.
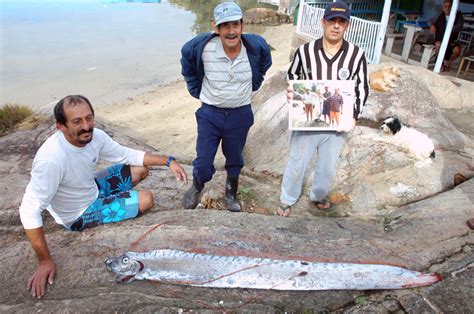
416	143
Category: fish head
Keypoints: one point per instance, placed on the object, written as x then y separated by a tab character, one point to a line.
125	267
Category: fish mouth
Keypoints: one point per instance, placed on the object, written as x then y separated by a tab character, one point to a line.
125	279
129	278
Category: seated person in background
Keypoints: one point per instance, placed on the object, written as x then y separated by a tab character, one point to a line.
64	183
439	27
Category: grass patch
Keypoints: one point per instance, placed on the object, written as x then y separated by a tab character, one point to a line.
361	300
246	194
386	220
11	115
251	201
30	123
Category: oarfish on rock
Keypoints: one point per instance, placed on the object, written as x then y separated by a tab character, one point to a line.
204	270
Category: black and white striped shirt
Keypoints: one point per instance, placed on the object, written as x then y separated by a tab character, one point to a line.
311	63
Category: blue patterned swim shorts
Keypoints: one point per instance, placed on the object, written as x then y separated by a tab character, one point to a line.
116	201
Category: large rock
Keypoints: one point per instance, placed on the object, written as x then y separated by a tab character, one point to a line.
417	236
448	91
265	16
372	173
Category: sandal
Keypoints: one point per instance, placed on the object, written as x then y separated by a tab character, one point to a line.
283	210
323	205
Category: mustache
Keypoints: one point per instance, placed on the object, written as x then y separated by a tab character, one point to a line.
84	131
231	36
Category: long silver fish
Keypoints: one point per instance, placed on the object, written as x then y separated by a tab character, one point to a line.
204	270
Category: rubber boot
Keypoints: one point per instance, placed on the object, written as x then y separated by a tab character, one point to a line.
231	186
192	195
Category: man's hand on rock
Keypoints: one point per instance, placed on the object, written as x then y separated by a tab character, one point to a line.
178	172
44	274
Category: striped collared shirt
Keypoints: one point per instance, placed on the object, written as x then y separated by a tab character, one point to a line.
227	83
311	63
336	102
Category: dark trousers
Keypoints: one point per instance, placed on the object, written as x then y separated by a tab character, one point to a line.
230	126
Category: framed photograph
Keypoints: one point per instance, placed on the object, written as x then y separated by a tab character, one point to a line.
321	105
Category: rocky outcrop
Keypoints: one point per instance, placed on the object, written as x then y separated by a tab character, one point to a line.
429	235
449	92
265	16
373	174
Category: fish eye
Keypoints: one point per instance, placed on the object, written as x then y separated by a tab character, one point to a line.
125	260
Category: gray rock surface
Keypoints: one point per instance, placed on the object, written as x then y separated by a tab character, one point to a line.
449	92
428	235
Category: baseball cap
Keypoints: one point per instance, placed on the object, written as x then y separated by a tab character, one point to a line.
227	12
337	9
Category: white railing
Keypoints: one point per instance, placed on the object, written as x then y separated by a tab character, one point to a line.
362	33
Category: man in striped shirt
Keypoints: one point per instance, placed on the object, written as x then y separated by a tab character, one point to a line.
327	58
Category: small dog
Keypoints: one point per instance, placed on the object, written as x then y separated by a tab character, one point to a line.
384	80
416	143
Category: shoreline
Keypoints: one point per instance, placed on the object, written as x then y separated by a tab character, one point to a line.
164	116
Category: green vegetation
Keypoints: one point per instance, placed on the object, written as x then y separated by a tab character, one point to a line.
386	220
11	115
253	201
361	300
301	88
246	194
334	213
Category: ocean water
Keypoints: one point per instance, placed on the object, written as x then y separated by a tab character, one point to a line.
106	50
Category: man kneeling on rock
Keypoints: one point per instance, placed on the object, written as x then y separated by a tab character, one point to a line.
64	183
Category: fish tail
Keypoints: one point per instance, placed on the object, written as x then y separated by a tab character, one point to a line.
423	280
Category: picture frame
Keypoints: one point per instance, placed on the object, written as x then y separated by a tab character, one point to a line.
311	108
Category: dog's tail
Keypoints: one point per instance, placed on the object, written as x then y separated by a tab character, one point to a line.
433	155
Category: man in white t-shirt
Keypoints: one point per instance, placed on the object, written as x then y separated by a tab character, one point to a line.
64	183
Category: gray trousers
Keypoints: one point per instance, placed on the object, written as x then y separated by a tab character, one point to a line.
303	144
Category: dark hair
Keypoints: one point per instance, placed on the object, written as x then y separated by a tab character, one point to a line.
69	100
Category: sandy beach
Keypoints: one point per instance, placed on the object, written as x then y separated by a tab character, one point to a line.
164	117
